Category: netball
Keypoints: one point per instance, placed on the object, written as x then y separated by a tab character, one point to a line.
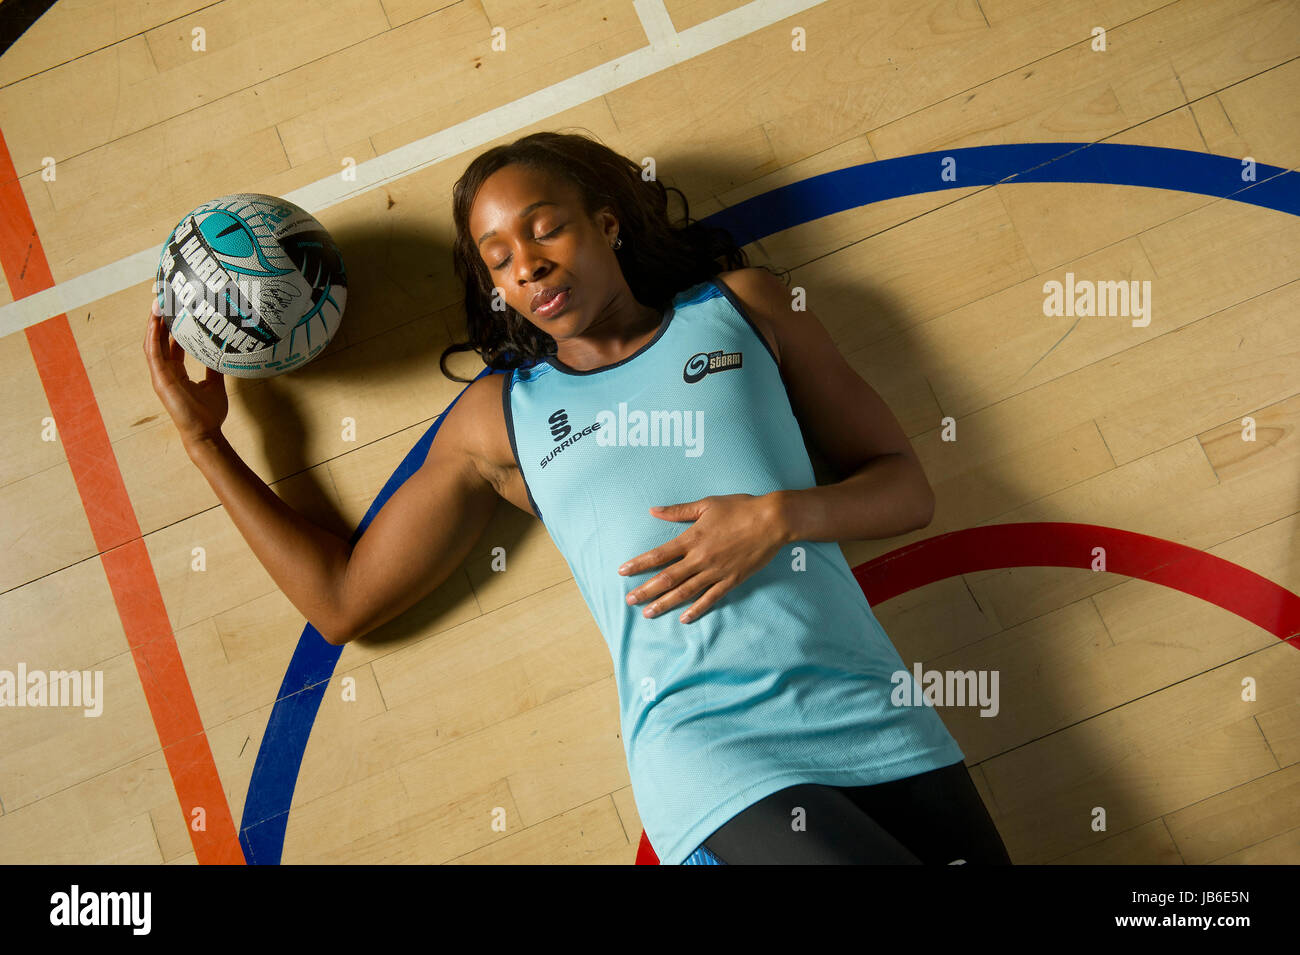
251	285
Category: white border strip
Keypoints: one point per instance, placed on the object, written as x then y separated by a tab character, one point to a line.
667	48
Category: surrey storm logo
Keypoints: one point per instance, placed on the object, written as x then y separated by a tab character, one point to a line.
702	363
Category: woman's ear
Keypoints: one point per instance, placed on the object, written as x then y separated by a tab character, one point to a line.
607	223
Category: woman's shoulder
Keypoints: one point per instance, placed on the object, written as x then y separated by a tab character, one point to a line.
478	420
762	299
754	284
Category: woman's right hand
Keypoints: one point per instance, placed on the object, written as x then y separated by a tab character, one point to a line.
197	408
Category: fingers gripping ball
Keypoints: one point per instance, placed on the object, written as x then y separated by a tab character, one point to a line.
251	285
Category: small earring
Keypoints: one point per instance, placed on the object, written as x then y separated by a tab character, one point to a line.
618	243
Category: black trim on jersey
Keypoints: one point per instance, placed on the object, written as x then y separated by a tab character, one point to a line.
510	430
663	327
735	303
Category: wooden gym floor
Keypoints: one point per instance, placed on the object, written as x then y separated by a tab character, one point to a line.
497	692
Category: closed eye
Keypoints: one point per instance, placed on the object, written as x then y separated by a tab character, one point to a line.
503	262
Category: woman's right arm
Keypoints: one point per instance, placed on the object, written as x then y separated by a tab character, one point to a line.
306	562
418	538
422	533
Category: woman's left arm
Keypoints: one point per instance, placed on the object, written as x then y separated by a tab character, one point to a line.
886	492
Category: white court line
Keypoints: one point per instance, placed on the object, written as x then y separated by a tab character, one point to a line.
658	26
667	48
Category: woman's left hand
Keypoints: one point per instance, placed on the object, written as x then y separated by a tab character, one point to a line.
732	537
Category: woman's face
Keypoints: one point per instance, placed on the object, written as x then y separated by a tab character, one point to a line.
533	235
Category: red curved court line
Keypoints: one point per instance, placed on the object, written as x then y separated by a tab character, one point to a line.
116	531
1063	544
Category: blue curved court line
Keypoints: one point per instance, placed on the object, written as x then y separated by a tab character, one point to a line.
275	773
1103	163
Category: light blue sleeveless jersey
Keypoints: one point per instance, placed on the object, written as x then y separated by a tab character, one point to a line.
787	679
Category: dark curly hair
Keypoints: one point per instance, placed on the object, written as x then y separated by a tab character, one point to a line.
658	259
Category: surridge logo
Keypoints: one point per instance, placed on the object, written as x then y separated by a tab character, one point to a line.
637	428
559	422
703	363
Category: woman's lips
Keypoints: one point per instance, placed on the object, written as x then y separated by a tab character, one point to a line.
554	305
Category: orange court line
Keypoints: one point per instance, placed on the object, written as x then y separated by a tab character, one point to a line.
116	531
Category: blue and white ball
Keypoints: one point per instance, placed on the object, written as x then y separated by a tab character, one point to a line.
251	285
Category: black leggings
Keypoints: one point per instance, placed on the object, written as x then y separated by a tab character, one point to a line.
932	818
